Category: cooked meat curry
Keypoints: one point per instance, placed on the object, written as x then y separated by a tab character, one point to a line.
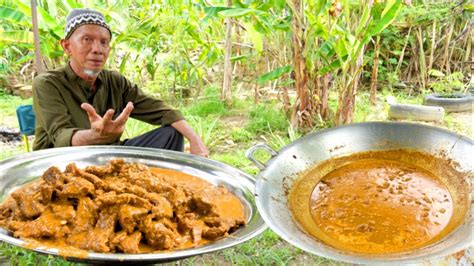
378	202
121	207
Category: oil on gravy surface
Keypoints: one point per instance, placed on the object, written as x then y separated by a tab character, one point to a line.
374	206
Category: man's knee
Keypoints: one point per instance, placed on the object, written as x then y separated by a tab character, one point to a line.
170	132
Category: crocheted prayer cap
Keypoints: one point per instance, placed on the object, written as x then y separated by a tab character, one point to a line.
79	17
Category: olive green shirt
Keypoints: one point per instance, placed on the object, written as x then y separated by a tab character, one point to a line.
58	95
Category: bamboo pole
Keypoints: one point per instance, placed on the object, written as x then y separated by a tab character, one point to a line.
433	45
226	92
36	37
422	62
402	54
446	49
375	71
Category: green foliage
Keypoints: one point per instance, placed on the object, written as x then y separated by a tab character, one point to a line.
210	105
445	84
20	256
134	128
240	135
259	251
274	74
208	129
366	111
265	118
278	140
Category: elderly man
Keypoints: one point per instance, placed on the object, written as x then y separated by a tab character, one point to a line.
84	104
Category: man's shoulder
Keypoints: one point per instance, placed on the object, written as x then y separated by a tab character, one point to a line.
50	75
112	74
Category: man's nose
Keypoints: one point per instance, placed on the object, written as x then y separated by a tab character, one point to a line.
98	48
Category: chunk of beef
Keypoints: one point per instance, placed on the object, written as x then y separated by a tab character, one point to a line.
213	233
47	225
129	216
78	239
86	215
131	243
28	199
127	243
186	222
149	182
64	210
118	185
111	198
15	225
190	223
46	193
153	197
54	177
218	227
223	221
114	166
72	168
203	204
177	197
158	235
76	187
162	208
7	209
98	238
196	233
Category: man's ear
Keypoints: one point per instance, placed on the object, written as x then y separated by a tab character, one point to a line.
66	46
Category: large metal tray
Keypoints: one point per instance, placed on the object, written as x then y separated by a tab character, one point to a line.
24	168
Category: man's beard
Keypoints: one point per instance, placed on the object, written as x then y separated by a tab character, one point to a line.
91	73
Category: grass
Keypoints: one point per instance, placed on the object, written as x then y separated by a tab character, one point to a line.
228	132
8	105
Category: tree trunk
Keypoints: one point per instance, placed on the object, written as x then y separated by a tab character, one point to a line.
375	72
226	92
301	117
445	63
238	69
257	85
324	111
422	60
38	59
347	96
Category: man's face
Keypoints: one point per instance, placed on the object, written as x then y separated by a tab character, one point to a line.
88	49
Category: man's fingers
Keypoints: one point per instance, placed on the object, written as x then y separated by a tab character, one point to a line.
122	118
108	116
90	111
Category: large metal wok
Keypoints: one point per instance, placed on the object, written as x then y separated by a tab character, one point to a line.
278	173
24	168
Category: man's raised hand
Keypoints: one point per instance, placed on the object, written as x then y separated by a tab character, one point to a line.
104	126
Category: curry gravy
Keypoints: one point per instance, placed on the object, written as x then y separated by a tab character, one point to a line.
378	202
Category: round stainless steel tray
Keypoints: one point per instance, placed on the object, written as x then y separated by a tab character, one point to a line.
24	168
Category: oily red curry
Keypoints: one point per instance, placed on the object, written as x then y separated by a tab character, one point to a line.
121	207
379	202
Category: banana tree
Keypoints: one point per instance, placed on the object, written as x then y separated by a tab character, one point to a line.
259	20
16	30
344	49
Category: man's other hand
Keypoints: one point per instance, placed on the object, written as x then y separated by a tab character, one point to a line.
197	147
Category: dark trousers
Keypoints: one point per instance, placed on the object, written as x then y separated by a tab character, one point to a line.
166	137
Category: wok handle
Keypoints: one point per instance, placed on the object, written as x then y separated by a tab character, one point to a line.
251	151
